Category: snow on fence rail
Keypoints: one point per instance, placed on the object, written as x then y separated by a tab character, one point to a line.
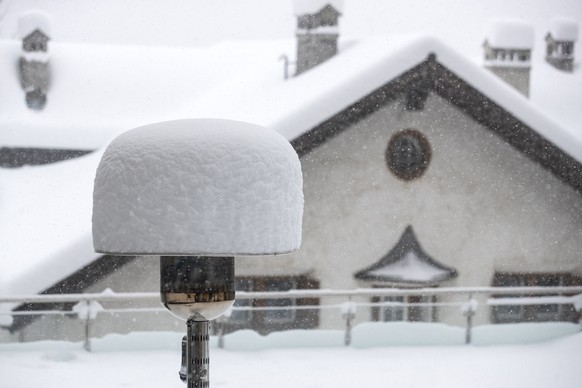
108	296
88	306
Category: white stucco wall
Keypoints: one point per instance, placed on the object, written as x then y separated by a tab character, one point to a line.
480	207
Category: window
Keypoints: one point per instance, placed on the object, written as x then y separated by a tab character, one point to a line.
274	314
281	309
509	313
408	154
391	311
532	313
548	312
405	308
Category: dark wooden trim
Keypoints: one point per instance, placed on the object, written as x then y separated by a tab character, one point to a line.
359	110
19	156
77	282
430	74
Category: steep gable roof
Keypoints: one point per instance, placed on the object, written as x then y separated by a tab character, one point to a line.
324	101
534	141
364	68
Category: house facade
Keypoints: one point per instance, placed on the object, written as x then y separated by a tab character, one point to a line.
481	207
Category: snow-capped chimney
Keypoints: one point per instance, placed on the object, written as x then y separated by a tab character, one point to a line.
317	31
508	47
33	66
560	42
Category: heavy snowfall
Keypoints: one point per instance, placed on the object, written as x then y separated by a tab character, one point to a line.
133	40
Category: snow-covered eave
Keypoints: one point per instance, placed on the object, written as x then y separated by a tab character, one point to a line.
507	64
347	78
76	256
48	237
399	281
381	271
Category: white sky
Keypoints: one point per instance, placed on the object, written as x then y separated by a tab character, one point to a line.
462	22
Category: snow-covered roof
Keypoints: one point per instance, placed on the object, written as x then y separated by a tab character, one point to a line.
564	29
362	68
99	91
302	7
136	85
45	232
514	34
30	21
45	229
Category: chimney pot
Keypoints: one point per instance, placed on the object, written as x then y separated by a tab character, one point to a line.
507	52
560	41
317	31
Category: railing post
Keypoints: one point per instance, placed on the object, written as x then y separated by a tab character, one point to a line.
348	312
221	332
221	321
87	310
87	344
469	312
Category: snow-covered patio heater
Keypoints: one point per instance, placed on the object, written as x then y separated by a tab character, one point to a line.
196	193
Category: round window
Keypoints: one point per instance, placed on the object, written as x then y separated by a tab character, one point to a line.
408	154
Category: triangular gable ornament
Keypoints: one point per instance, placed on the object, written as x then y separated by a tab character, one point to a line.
407	264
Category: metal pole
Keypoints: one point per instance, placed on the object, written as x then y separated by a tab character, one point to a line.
197	354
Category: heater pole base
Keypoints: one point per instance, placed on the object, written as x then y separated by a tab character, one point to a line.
197	355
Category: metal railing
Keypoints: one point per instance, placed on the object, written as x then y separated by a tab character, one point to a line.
88	306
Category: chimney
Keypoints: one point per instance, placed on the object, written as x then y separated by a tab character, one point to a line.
560	42
507	52
33	65
317	31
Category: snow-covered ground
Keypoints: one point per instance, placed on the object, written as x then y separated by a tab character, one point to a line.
554	363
